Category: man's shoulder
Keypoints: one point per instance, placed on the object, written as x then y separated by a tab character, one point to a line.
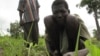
71	16
48	18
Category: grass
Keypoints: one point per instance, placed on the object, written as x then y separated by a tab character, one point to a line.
94	47
77	42
11	47
15	47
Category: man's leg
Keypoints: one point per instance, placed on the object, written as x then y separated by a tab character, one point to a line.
35	33
26	28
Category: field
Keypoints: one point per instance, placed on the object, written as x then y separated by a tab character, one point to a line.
10	46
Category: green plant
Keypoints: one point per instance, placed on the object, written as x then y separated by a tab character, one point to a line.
93	47
15	47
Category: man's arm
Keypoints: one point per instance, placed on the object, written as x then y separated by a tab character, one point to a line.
48	41
49	37
20	15
21	9
82	52
38	6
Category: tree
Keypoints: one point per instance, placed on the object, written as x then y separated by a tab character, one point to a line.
94	33
92	6
15	29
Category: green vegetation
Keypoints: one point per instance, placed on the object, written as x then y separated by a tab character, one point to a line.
15	47
77	42
93	46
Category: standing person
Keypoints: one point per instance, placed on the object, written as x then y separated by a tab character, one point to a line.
29	17
62	30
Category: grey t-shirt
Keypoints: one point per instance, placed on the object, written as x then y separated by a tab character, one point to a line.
29	9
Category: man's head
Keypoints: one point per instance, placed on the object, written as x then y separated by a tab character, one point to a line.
60	10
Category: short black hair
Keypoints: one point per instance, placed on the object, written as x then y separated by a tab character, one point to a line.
60	2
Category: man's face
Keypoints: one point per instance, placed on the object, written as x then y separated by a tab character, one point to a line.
60	13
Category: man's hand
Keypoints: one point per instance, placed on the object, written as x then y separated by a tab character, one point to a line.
69	54
21	22
82	52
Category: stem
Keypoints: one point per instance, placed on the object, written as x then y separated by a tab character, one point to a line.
77	42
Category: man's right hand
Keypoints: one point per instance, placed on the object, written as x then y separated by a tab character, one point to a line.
21	22
82	52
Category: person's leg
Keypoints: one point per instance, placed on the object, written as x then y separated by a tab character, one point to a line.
31	35
26	28
35	33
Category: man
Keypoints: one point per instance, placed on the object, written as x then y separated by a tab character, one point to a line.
62	30
29	17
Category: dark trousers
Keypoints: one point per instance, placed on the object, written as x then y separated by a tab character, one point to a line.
34	32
